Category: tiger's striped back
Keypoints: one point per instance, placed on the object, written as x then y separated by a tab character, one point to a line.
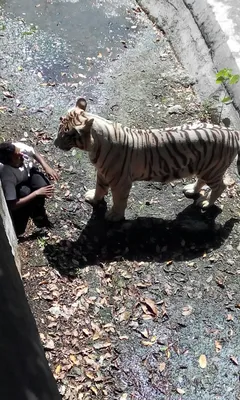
122	155
162	154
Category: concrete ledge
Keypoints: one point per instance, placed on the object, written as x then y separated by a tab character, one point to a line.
199	43
8	229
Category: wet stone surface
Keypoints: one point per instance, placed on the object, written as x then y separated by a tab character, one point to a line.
127	310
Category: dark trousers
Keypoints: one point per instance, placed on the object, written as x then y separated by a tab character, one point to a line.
35	209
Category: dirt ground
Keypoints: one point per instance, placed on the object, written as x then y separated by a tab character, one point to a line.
143	309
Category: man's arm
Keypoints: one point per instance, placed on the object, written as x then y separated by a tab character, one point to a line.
19	203
46	191
50	171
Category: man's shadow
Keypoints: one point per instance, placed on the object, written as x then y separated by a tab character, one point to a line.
141	239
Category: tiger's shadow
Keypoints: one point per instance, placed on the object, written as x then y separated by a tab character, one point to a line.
142	239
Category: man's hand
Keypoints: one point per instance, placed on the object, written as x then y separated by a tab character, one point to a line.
49	171
52	173
46	191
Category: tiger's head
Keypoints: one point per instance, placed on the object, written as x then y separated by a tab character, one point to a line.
75	128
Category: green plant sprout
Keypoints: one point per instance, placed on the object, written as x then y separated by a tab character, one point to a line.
32	30
225	76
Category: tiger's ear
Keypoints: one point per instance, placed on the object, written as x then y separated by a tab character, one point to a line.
81	103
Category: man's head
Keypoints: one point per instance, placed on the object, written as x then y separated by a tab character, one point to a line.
11	155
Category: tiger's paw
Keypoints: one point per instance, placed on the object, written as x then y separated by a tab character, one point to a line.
189	190
113	216
203	203
90	197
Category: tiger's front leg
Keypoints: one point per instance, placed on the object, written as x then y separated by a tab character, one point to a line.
94	196
120	197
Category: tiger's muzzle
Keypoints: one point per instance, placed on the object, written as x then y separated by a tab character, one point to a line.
61	145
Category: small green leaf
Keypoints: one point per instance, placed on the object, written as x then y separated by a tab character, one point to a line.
226	99
220	79
27	33
2	27
163	348
234	79
225	72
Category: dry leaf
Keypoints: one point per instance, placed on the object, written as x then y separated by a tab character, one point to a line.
202	361
151	306
234	360
8	94
147	343
126	274
86	332
218	346
81	291
143	284
180	391
58	369
124	316
162	367
73	358
191	264
26	275
187	310
94	390
145	333
49	345
96	335
99	346
229	181
67	193
89	375
147	316
124	337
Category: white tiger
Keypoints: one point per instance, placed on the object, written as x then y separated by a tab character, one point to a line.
123	155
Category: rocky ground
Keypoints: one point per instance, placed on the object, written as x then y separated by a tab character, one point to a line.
143	309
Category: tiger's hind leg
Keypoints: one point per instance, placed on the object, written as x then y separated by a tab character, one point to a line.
217	189
120	198
94	196
192	189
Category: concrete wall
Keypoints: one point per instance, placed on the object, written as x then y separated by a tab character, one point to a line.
216	28
198	42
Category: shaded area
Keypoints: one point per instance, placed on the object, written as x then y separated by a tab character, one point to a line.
182	239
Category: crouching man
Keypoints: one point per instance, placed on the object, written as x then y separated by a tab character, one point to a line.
25	187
